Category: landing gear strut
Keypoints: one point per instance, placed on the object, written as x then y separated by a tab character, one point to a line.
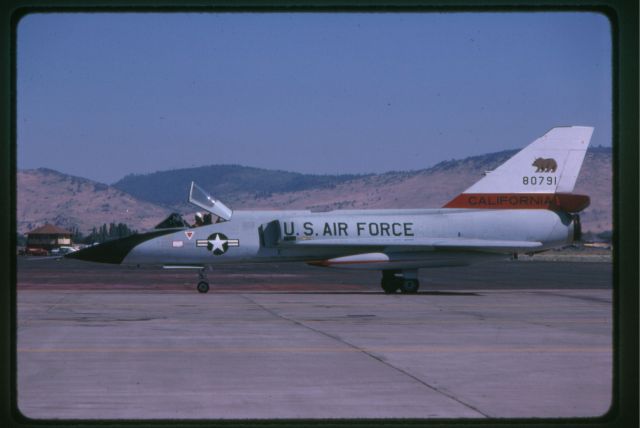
203	285
404	280
390	283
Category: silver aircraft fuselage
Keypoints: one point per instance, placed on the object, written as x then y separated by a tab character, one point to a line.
337	233
525	205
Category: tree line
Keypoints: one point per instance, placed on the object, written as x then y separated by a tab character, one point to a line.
102	234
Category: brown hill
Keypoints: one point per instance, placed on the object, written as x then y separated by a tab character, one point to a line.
48	196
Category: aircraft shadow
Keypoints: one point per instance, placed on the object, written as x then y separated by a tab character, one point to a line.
343	293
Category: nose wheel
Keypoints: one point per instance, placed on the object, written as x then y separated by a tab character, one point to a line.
405	281
203	285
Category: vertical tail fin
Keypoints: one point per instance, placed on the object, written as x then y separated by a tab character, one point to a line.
539	176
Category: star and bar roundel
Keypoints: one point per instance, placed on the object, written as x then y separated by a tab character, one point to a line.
217	243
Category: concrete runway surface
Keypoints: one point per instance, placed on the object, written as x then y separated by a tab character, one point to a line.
513	339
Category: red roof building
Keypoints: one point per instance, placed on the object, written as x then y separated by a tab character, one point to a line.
48	237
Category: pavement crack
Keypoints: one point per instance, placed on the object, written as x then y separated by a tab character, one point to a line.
367	353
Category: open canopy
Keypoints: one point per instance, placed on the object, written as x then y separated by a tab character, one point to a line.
202	199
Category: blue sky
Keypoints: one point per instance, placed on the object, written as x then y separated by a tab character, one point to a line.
104	95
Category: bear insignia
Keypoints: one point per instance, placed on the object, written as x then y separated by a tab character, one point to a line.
545	165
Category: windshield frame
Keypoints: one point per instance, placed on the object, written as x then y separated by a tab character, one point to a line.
200	198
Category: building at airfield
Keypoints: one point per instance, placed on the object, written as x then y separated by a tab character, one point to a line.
48	237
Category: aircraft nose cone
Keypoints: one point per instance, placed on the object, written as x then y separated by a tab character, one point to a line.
108	252
115	251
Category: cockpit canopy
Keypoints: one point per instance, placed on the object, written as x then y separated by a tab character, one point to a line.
174	220
202	199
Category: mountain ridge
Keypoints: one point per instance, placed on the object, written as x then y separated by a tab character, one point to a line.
167	187
45	195
147	198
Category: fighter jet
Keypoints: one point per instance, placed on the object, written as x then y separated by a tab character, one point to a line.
523	206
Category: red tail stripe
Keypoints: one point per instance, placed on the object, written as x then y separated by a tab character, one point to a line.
550	201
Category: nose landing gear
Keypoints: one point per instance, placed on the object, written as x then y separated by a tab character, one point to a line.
203	285
404	280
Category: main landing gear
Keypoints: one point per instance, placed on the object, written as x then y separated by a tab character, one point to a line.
203	285
404	280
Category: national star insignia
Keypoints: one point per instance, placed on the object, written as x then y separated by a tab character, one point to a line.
218	243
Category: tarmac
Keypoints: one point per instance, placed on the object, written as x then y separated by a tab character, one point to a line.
498	340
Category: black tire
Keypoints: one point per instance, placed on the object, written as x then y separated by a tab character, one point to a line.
410	286
203	287
389	286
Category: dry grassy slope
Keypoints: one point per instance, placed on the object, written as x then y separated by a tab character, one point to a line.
44	195
49	196
596	180
434	187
